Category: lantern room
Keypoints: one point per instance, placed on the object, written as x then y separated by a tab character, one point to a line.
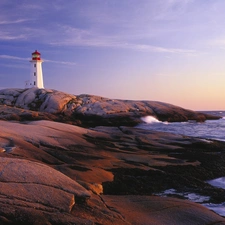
36	55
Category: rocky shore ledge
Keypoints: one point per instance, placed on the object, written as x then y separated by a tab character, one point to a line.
87	110
54	173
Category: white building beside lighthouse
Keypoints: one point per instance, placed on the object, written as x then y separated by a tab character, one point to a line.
36	76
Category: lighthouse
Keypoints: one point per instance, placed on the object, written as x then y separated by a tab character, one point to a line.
36	76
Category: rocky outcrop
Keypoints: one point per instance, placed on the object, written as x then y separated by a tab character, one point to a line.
43	100
89	110
55	173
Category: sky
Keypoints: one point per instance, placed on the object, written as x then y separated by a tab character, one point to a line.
171	51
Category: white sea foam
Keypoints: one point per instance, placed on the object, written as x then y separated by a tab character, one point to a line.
188	195
218	208
209	130
219	182
150	119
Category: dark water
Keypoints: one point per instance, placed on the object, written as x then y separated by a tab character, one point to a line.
210	129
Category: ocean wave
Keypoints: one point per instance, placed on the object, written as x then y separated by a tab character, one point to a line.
150	119
209	130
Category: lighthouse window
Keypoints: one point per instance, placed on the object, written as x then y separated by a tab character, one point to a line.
34	83
34	65
34	73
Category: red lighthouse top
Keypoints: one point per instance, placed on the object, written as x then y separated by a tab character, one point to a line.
36	55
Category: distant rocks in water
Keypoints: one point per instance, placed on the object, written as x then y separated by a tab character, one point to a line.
87	110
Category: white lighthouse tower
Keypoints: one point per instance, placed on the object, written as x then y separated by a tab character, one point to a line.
36	76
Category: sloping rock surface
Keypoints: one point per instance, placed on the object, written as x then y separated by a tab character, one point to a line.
31	188
161	211
89	110
36	182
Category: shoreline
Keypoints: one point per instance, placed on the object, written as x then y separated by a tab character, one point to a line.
108	165
88	110
118	162
208	130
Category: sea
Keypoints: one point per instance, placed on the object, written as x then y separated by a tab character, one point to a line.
210	130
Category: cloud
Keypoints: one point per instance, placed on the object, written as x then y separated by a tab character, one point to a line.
171	9
16	18
96	25
13	21
10	57
89	38
11	36
13	57
218	42
34	6
109	26
121	45
150	48
18	66
61	62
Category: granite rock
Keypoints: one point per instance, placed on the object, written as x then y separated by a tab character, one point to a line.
90	110
154	210
54	173
32	183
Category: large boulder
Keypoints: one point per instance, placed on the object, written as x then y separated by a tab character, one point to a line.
43	100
